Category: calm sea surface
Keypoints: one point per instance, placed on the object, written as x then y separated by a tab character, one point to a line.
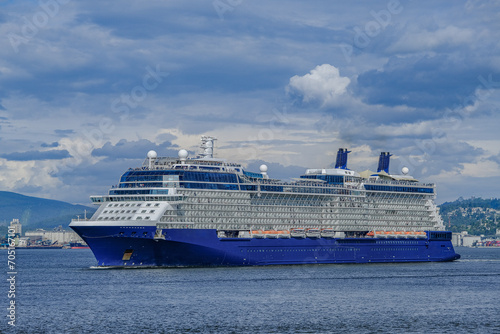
57	291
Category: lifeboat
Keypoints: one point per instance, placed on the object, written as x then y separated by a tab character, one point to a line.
298	233
313	233
258	234
271	234
327	233
390	234
284	234
421	235
400	235
410	235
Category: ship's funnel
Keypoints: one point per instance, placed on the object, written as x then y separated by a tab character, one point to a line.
383	162
342	158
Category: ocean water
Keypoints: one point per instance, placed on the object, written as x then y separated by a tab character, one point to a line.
58	291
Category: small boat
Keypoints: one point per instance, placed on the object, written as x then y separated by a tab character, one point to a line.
410	235
389	234
421	235
257	234
327	233
313	233
400	235
285	234
298	233
271	234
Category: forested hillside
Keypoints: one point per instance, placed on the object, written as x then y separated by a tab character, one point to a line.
34	212
474	215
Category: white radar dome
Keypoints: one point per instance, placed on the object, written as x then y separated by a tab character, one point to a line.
263	168
152	154
183	154
405	170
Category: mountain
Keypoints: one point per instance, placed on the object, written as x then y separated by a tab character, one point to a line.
34	212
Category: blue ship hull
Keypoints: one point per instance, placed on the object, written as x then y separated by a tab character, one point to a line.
202	247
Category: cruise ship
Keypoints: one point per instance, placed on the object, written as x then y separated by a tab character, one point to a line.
205	211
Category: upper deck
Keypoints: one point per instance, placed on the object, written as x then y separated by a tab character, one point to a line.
163	175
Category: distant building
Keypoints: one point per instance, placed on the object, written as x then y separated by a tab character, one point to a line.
470	240
23	242
456	239
464	239
16	226
58	236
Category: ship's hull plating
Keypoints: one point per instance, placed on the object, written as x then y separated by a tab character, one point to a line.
202	247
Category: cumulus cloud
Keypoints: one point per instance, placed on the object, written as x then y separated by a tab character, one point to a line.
30	176
323	85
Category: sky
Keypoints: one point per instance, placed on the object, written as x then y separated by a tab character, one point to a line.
87	88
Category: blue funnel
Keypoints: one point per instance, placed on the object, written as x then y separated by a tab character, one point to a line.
383	162
342	158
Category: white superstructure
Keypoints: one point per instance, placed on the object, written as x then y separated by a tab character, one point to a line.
210	193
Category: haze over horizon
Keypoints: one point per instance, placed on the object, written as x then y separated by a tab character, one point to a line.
88	88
